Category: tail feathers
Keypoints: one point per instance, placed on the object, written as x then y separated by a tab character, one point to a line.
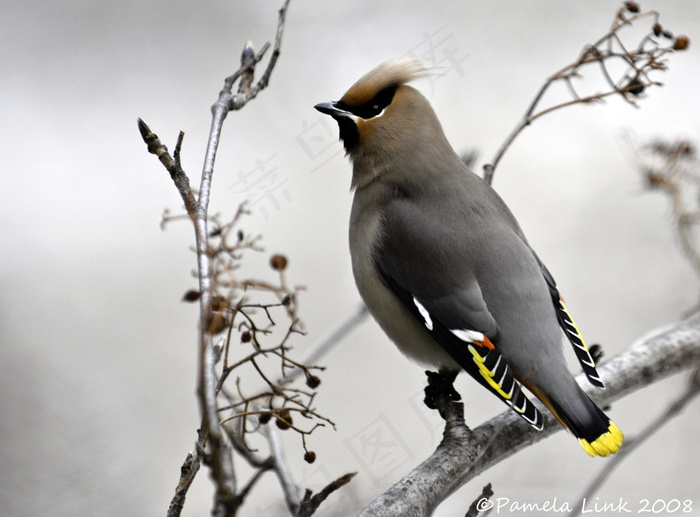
596	433
606	444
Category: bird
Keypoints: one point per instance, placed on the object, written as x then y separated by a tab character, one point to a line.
443	266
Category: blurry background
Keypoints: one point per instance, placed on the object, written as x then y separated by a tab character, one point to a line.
98	353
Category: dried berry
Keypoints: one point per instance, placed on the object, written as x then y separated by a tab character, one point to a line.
635	87
655	179
658	29
282	425
191	296
310	457
278	262
246	336
681	43
632	7
218	303
284	419
264	418
312	381
686	148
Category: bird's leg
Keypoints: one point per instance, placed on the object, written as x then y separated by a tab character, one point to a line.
440	390
441	395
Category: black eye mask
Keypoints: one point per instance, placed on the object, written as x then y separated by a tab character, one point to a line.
374	107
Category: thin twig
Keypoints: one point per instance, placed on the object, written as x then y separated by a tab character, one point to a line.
179	177
310	503
188	472
284	474
478	503
235	432
632	83
240	497
329	342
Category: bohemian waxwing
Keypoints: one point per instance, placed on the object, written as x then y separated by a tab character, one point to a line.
443	265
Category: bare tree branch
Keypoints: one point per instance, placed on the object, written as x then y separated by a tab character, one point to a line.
647	57
220	457
464	454
215	447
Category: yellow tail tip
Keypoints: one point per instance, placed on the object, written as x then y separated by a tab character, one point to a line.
606	444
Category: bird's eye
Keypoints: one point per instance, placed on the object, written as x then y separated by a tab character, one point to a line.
377	105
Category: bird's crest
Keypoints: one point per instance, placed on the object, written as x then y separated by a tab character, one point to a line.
392	73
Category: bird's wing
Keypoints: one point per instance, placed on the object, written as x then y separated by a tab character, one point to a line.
571	331
425	275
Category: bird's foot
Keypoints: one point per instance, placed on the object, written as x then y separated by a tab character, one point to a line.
439	386
596	352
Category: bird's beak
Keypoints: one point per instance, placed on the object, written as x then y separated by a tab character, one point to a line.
330	108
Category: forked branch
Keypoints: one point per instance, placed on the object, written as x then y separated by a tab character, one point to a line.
639	61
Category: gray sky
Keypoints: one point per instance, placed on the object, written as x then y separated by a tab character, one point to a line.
97	363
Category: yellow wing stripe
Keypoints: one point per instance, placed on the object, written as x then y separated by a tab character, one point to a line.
488	374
